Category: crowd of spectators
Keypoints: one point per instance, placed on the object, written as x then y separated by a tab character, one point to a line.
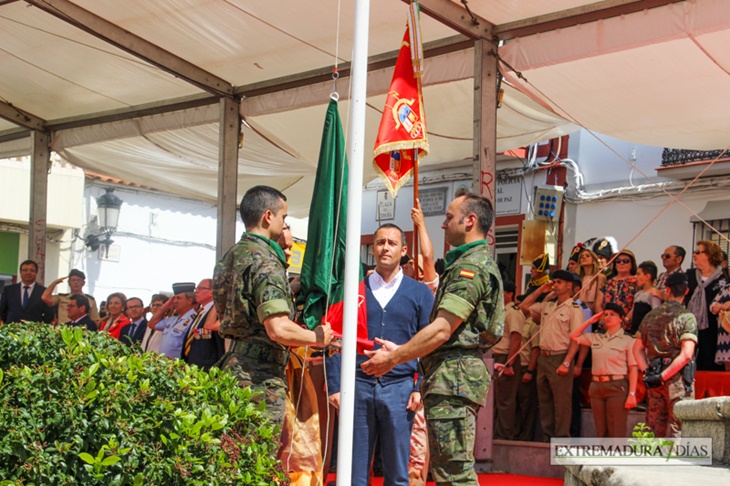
184	326
611	292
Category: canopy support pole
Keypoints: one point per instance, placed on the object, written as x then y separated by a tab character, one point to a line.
484	173
227	174
40	160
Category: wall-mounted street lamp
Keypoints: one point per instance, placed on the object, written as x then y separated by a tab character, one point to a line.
108	206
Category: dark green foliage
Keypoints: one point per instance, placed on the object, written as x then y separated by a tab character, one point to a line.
77	407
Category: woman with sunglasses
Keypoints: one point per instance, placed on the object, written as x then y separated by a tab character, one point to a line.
621	286
591	278
615	371
706	281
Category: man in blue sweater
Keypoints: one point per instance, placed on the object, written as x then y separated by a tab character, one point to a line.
398	307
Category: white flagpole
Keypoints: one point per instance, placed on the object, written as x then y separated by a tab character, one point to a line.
355	156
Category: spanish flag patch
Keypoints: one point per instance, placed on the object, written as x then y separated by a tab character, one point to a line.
467	274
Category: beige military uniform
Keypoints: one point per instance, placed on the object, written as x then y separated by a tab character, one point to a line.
612	355
554	391
505	387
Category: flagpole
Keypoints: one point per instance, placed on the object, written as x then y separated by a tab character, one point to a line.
415	196
356	139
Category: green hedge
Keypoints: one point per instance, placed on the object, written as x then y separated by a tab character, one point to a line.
77	407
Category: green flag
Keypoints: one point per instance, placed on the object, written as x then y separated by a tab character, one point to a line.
323	269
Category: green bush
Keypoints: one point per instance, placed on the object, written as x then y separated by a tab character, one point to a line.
77	407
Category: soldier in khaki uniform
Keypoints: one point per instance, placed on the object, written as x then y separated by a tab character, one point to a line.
76	281
506	383
613	389
254	302
467	319
526	415
555	365
665	344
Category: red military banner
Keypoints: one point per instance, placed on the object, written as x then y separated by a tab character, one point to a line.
402	136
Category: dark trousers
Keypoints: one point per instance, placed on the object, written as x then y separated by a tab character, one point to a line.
505	399
526	408
555	394
380	412
607	404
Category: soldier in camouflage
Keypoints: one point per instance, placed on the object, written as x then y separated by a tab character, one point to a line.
667	335
466	320
254	302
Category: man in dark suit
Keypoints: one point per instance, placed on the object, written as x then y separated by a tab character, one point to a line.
133	332
203	345
78	308
22	301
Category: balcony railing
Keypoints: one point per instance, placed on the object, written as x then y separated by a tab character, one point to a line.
680	156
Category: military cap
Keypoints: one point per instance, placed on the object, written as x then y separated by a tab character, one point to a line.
576	279
405	259
603	247
179	288
76	273
675	279
562	275
542	262
616	308
575	252
509	287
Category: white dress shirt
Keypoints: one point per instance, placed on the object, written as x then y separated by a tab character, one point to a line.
382	290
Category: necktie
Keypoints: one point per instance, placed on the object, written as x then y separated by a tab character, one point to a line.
26	296
191	334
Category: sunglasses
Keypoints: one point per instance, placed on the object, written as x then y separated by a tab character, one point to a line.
697	252
667	255
623	260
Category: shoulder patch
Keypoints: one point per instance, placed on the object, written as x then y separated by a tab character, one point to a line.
466	274
576	305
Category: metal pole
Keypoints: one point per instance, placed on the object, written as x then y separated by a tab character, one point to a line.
356	139
229	128
39	161
485	152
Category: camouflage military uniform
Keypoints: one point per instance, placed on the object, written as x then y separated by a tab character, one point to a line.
249	286
456	379
662	332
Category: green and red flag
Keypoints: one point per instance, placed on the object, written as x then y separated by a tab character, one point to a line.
323	270
402	139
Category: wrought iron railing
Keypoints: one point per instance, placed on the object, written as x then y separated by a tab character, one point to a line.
681	156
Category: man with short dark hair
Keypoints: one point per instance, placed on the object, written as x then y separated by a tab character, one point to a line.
133	332
507	380
397	308
23	301
254	303
175	328
672	260
466	320
76	281
664	346
78	312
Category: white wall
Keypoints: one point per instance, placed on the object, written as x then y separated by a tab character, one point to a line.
160	240
65	193
625	220
603	166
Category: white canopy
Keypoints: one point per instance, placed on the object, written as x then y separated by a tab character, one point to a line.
651	76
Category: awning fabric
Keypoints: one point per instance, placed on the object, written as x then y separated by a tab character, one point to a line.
657	77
